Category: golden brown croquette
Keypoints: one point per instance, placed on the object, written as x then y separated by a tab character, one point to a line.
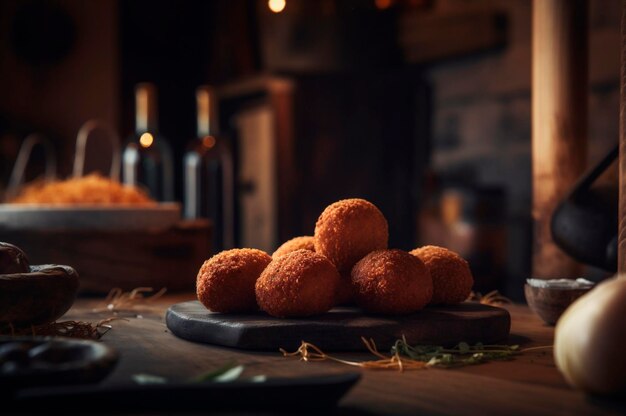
300	283
225	282
305	242
452	277
391	282
349	229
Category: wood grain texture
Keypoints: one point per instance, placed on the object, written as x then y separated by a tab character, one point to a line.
559	121
281	97
126	259
529	384
340	329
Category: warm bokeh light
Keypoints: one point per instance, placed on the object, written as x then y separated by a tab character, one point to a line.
208	141
383	4
277	6
146	140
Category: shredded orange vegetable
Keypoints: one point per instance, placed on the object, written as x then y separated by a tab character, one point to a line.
492	298
90	189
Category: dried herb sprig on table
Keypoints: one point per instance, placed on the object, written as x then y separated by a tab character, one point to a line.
406	357
310	352
117	300
460	355
492	298
72	329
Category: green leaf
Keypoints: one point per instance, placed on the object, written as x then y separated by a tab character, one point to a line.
227	373
462	354
145	379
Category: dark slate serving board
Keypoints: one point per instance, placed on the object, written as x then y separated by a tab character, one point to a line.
340	329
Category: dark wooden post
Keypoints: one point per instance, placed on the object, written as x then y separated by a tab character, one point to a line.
621	251
559	121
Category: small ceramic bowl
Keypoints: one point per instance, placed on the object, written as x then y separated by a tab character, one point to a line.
550	302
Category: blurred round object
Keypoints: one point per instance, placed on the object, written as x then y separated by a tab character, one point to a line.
589	340
300	283
391	282
225	282
451	275
349	229
12	259
305	242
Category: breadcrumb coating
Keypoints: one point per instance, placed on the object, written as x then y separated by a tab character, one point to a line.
298	284
225	282
305	242
391	282
451	274
348	230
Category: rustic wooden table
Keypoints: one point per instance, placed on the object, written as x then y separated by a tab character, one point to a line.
530	384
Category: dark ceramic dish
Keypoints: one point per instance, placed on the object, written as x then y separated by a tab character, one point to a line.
42	361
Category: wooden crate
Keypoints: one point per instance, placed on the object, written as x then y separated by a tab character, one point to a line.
127	259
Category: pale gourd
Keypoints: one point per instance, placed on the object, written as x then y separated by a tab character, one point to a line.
590	340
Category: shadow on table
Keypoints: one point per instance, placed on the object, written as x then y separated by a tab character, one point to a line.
612	404
516	339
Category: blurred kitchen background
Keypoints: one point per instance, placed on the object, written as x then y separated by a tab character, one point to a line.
421	106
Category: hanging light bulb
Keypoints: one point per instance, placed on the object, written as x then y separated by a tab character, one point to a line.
277	6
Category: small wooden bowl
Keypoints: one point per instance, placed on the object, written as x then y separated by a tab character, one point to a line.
43	295
550	302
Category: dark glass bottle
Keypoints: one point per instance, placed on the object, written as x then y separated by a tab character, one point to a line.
147	160
208	173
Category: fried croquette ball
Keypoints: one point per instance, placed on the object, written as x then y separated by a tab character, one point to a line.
349	229
452	277
300	283
297	243
225	282
391	282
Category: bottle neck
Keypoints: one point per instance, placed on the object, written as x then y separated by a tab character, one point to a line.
207	115
145	109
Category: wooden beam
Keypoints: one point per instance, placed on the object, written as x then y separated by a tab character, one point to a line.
559	121
429	37
621	247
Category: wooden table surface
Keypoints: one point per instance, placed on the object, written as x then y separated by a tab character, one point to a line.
529	384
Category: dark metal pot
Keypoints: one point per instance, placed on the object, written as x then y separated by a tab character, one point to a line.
584	224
